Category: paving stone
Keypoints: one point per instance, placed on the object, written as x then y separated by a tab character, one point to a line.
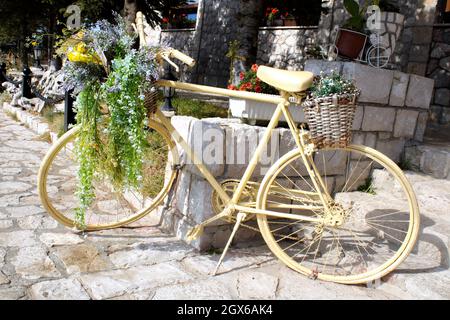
60	239
405	123
2	256
420	92
442	97
61	289
13	293
5	224
256	285
3	278
149	253
197	290
33	263
37	222
109	284
378	119
81	258
24	211
12	186
17	239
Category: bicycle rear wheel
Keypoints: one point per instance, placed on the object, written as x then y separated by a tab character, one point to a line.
371	228
58	181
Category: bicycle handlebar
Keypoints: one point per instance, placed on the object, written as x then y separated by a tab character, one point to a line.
182	57
167	53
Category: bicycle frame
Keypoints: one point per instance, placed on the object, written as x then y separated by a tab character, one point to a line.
283	103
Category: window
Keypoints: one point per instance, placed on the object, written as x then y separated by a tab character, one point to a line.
182	17
443	11
292	12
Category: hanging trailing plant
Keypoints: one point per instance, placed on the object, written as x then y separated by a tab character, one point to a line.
105	70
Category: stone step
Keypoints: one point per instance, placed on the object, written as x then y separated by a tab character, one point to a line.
431	159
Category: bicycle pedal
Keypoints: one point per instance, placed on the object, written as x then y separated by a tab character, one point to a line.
194	233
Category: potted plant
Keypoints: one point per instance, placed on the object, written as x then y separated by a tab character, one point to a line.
351	39
289	20
251	111
273	17
330	108
165	23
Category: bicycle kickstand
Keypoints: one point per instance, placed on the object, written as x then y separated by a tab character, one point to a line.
240	217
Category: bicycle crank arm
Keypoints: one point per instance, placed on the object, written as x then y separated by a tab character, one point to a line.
197	231
279	214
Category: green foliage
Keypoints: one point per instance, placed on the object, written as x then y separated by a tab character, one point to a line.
357	20
198	109
367	187
88	147
123	95
111	146
331	84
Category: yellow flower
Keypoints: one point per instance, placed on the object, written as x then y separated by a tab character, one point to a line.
80	54
34	43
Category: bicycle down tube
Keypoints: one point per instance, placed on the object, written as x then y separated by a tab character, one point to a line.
282	108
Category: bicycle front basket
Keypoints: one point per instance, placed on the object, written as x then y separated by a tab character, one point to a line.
331	120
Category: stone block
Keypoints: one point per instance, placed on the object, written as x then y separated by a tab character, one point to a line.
417	68
445	63
241	141
370	139
422	35
378	119
441	78
421	126
375	84
391	148
420	92
399	89
359	115
442	97
405	123
318	66
207	140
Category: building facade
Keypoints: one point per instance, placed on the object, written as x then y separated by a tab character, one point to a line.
422	48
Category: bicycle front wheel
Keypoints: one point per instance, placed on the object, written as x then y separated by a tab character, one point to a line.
58	182
370	228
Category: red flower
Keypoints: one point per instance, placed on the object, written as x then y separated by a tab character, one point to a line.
232	87
255	67
241	75
165	20
275	11
258	89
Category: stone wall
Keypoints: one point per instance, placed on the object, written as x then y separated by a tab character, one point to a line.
393	106
439	70
284	47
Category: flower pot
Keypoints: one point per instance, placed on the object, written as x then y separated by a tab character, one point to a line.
252	111
350	43
275	23
290	22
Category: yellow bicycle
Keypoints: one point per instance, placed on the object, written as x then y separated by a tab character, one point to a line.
322	211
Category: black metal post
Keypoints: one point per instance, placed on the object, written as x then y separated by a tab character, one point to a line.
69	113
26	82
3	73
168	108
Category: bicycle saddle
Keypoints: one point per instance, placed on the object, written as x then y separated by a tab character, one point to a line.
289	81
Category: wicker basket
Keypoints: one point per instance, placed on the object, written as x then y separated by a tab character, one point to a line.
331	119
151	100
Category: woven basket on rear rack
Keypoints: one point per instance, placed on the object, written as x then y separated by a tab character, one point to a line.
151	100
331	119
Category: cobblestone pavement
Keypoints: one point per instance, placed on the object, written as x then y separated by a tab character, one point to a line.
40	259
